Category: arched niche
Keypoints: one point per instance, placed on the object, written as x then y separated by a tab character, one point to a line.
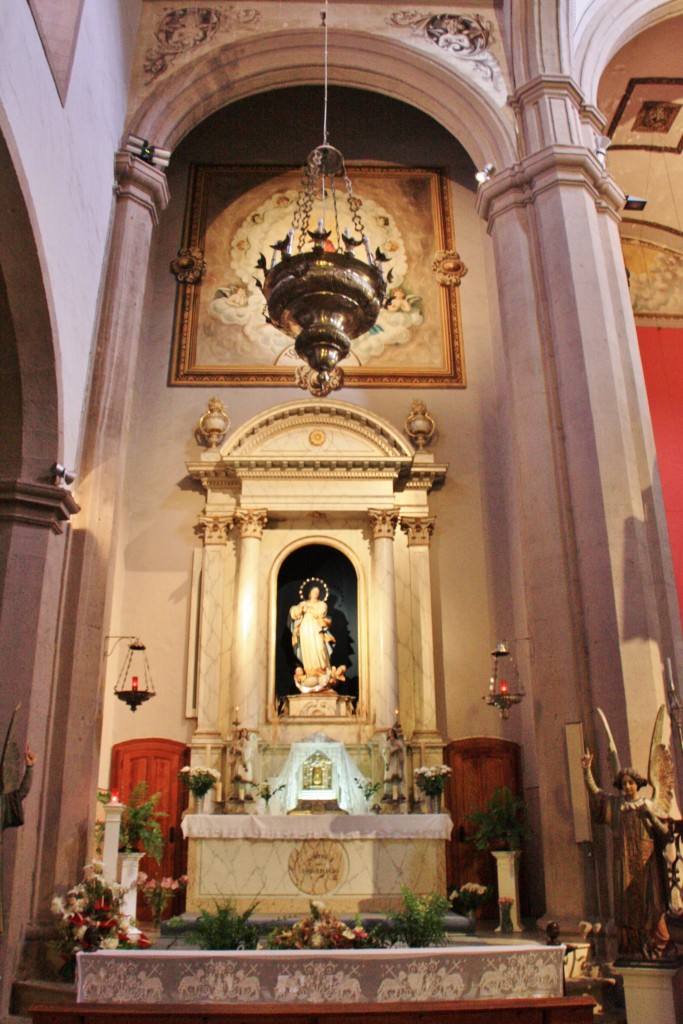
325	565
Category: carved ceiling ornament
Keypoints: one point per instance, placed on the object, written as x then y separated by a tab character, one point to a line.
448	267
465	38
188	266
214	528
183	29
251	522
418	529
384	522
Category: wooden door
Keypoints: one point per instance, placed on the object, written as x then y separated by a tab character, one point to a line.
157	762
478	766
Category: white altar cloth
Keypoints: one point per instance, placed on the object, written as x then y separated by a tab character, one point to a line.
317	826
518	971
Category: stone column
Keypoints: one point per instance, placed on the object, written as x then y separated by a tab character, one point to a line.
419	530
248	664
214	528
592	591
382	627
141	194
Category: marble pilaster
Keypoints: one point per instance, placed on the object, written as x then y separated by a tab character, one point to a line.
215	529
418	530
384	656
248	626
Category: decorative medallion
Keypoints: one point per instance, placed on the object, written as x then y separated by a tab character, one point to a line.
318	866
656	116
317	437
448	267
189	266
184	28
464	37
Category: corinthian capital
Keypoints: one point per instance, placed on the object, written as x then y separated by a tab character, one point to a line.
383	522
251	522
418	529
214	527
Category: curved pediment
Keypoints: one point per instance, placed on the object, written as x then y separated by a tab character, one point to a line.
323	430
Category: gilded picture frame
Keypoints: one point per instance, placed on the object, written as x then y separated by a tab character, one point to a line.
234	213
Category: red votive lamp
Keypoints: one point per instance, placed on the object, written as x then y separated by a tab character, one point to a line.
134	684
114	796
503	686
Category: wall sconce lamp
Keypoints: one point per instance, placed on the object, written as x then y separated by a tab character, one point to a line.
602	144
63	476
150	154
501	694
485	173
134	685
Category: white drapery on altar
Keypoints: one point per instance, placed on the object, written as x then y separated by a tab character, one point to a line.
348	793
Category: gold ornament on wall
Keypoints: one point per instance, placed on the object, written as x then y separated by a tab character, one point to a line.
448	267
420	427
189	266
213	425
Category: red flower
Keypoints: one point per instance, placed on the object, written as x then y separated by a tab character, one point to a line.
143	941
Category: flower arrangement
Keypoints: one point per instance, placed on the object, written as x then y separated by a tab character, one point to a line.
199	780
320	930
158	893
266	791
432	781
367	788
470	897
91	917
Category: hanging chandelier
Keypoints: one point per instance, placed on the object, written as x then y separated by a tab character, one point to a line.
322	294
500	694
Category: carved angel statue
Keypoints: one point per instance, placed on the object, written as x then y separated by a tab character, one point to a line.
640	833
14	786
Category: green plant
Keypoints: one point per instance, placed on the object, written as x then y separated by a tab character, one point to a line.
420	923
225	928
140	825
501	824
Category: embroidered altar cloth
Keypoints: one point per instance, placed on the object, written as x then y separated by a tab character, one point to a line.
516	971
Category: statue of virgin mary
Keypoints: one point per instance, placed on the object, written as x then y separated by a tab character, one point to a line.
311	638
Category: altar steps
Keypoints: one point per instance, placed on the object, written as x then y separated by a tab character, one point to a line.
563	1010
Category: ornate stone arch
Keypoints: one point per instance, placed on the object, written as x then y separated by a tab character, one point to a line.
184	99
599	35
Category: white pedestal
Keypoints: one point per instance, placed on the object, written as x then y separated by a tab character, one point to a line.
649	994
130	862
507	867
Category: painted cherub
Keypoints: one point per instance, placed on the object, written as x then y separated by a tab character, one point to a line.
640	832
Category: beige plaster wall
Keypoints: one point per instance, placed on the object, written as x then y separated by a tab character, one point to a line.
160	505
63	155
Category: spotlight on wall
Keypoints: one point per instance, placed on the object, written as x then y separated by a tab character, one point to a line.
602	144
63	476
485	173
150	154
635	203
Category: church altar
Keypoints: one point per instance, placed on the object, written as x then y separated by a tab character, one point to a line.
352	861
519	971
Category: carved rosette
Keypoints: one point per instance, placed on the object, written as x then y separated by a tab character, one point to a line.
448	267
214	528
418	529
383	522
188	266
251	522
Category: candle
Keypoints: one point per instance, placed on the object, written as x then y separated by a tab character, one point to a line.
503	686
219	791
134	684
208	755
114	796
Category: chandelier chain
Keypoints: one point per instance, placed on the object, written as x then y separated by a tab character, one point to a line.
323	15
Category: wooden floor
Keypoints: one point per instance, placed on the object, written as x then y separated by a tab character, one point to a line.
566	1010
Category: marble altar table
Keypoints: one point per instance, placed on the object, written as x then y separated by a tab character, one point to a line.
352	862
516	971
